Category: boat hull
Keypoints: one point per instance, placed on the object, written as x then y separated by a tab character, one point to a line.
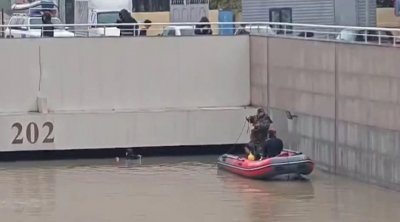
287	163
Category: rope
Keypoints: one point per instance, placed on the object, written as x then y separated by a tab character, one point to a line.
230	150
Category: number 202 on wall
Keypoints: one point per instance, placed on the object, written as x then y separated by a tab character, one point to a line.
32	132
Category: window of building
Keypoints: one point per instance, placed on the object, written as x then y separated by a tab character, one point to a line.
107	17
69	11
150	5
283	15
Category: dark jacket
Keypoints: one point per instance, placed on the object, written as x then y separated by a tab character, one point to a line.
203	29
126	18
261	123
272	147
47	31
143	32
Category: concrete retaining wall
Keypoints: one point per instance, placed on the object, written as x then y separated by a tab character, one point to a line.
368	110
346	98
145	73
19	76
127	92
66	131
123	92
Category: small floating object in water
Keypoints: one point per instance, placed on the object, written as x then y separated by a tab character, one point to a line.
130	155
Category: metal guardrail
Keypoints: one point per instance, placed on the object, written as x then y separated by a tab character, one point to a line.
365	35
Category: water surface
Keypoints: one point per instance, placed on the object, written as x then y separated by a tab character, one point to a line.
180	189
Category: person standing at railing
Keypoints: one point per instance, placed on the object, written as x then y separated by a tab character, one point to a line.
126	18
203	29
47	31
143	32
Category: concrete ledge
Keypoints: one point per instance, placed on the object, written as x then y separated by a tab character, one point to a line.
110	129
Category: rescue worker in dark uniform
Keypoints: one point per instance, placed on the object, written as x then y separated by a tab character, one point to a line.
47	31
126	18
273	146
261	122
203	29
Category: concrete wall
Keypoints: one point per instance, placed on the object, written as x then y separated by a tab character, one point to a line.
385	17
145	73
80	130
368	109
124	73
123	92
346	97
19	84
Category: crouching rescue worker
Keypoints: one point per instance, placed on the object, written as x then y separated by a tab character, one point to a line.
261	123
273	146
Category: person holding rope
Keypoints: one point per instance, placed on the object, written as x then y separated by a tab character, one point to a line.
259	134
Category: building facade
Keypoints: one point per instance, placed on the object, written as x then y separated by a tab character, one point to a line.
327	12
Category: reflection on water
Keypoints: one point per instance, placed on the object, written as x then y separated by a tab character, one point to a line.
27	191
179	189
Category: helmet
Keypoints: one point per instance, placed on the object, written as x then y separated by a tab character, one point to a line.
260	110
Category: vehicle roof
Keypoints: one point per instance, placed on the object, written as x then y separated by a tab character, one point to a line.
180	26
260	26
27	16
105	10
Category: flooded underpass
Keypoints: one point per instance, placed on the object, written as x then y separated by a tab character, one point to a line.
180	189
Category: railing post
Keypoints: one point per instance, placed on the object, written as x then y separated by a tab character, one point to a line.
366	36
2	22
379	38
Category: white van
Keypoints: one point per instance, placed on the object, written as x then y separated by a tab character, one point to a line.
178	30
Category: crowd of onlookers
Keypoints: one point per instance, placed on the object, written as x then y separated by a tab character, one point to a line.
129	25
133	30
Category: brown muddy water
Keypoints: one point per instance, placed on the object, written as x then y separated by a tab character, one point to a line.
180	189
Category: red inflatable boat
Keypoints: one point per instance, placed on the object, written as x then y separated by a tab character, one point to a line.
288	162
